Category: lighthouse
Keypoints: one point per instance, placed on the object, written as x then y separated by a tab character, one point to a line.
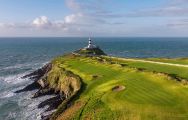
90	45
89	50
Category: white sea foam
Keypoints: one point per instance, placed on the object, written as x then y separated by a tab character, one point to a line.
14	79
25	65
31	111
7	94
29	107
16	66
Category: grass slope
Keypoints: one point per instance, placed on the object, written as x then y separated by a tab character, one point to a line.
147	94
176	71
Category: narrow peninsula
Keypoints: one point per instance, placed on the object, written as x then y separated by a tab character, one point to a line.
87	84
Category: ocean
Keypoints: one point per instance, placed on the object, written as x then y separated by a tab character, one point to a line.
19	56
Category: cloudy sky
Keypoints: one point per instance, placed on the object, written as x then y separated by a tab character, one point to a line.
56	18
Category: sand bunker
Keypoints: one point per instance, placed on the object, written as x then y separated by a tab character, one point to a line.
118	88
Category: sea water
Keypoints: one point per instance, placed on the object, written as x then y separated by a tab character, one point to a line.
20	56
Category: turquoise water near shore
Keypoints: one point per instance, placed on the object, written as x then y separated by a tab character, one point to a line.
19	56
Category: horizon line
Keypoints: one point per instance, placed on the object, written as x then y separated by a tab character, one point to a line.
94	36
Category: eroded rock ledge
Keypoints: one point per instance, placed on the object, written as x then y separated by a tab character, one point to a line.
52	79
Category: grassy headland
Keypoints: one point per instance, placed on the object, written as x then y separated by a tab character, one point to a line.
93	86
113	88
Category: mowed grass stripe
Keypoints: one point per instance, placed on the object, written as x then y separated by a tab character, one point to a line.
148	97
149	86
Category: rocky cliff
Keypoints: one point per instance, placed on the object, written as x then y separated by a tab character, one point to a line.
56	80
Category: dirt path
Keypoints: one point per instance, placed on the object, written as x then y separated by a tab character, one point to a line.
147	61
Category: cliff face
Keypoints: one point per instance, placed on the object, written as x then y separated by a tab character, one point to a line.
62	81
54	79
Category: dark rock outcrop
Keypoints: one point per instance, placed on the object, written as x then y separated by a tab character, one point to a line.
36	76
30	87
49	81
53	103
42	92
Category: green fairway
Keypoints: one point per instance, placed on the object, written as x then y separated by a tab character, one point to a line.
147	95
172	69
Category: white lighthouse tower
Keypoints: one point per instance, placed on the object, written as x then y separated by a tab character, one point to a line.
90	50
91	45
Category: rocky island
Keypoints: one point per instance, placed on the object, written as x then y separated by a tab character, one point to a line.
90	85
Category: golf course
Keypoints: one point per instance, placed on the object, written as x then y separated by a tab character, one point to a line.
111	88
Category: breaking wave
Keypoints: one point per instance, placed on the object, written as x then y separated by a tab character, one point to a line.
14	79
7	94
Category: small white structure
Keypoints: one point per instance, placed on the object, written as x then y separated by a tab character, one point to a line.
90	45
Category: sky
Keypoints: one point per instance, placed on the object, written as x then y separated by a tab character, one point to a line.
83	18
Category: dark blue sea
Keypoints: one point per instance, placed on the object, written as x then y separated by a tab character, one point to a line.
19	56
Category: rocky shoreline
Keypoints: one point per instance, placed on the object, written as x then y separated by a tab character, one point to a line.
42	85
36	77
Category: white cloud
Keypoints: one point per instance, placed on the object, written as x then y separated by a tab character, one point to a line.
88	17
41	21
74	24
73	18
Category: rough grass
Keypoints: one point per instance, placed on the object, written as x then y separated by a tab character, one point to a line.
147	96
